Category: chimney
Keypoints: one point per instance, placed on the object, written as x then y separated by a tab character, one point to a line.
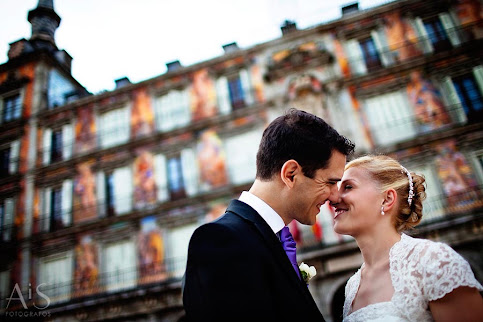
44	21
122	82
288	26
174	65
231	47
350	8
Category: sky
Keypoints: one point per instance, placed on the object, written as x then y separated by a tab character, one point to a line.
111	39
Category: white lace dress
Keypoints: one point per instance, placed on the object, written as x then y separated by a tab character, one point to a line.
421	271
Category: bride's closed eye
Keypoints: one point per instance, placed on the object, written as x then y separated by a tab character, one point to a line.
347	187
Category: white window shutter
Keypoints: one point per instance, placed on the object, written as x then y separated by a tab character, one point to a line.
455	107
224	105
190	174
356	59
478	73
67	202
122	190
382	48
423	36
14	157
101	194
247	86
46	207
67	141
47	145
450	29
9	219
160	177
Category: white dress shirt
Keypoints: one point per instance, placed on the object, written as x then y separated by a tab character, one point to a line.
272	218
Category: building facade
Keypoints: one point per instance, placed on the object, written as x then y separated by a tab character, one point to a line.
99	194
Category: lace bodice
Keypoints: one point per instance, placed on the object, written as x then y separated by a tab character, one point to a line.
421	271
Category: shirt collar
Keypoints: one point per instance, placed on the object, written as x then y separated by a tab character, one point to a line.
272	218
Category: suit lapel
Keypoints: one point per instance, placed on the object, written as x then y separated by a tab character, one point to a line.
248	213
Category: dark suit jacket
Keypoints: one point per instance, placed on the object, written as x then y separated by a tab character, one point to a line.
237	270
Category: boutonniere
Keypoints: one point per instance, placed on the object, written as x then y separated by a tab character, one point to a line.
307	272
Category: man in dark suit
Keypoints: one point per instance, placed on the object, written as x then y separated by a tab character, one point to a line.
237	268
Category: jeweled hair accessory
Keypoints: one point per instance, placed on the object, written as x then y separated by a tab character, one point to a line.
411	187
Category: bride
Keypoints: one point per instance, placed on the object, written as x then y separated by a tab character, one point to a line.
402	278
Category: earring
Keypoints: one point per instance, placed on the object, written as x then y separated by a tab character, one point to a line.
382	210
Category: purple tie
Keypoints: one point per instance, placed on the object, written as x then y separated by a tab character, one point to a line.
288	245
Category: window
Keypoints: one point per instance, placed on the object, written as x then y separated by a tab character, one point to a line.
175	178
241	152
57	206
4	161
436	34
172	110
9	158
177	249
470	97
370	54
390	118
114	127
160	175
59	89
434	203
55	272
119	266
12	108
119	191
234	91
57	144
464	95
7	215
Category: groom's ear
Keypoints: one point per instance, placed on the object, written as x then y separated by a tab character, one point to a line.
288	172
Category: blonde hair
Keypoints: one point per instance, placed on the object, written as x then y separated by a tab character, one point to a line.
390	174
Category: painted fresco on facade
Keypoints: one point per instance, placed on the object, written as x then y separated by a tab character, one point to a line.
145	189
142	116
211	160
429	109
216	210
305	93
86	266
341	57
401	36
470	16
202	96
151	252
85	130
84	201
257	83
456	175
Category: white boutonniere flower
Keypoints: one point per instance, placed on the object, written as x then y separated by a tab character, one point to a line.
307	272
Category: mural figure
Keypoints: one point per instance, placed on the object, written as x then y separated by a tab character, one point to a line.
151	251
85	131
211	160
145	189
142	117
456	175
86	266
401	36
203	96
85	202
429	108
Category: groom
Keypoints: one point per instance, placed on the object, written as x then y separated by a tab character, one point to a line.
237	268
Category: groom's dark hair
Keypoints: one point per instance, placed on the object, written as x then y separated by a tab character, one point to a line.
300	136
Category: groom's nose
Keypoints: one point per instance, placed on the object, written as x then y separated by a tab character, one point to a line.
334	195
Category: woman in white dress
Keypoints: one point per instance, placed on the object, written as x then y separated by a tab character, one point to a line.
402	278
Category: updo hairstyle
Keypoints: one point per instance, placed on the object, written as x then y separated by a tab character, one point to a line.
388	173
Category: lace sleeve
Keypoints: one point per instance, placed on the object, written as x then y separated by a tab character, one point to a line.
445	270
